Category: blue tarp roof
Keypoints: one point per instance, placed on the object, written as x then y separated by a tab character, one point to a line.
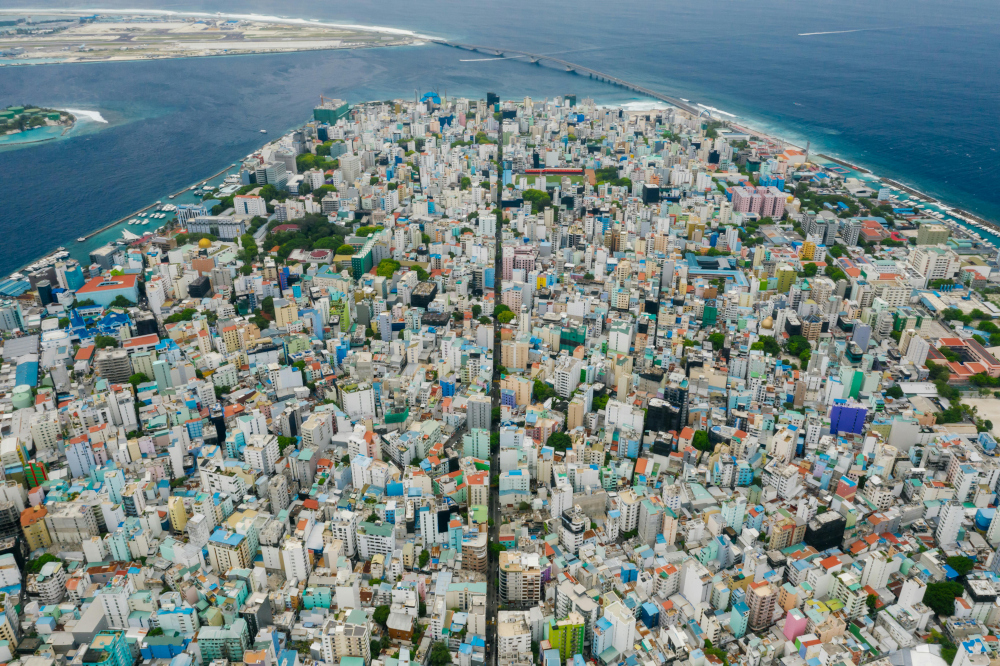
27	373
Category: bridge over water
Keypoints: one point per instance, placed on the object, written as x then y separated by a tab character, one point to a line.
535	58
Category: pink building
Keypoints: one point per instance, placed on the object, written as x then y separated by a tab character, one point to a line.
508	263
773	202
512	299
795	624
746	200
526	262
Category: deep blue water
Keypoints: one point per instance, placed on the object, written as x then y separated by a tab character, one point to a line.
913	96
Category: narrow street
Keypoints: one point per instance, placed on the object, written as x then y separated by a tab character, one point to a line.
493	567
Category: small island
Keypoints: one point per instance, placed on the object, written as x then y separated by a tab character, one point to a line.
82	36
26	120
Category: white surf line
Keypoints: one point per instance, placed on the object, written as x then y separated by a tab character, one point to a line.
246	17
831	32
844	32
89	115
712	109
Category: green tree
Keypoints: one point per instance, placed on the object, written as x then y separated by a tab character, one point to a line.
267	305
542	391
345	249
285	442
524	506
425	557
35	566
249	247
387	267
701	442
798	344
768	345
102	341
962	565
940	597
559	441
187	314
895	391
538	199
138	378
121	302
717	340
381	615
440	654
505	317
476	310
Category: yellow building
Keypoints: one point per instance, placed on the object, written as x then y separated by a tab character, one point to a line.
521	387
33	524
575	417
808	251
178	514
285	312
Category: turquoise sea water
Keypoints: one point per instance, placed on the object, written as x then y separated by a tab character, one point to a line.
32	136
910	94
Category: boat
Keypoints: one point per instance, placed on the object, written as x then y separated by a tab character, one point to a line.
192	187
171	196
81	239
263	131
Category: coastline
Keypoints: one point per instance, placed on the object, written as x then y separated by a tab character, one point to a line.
359	47
731	119
263	18
953	210
769	136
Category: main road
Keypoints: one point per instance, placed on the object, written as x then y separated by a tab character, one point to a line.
493	561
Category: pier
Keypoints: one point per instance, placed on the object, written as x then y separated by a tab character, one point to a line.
536	58
143	210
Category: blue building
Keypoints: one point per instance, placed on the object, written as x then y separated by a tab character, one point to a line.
103	290
847	416
650	615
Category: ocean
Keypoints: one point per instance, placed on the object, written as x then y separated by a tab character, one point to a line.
907	89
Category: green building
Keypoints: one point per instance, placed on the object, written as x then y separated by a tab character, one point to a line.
476	443
567	635
572	337
786	278
332	111
227	642
932	234
363	259
108	648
